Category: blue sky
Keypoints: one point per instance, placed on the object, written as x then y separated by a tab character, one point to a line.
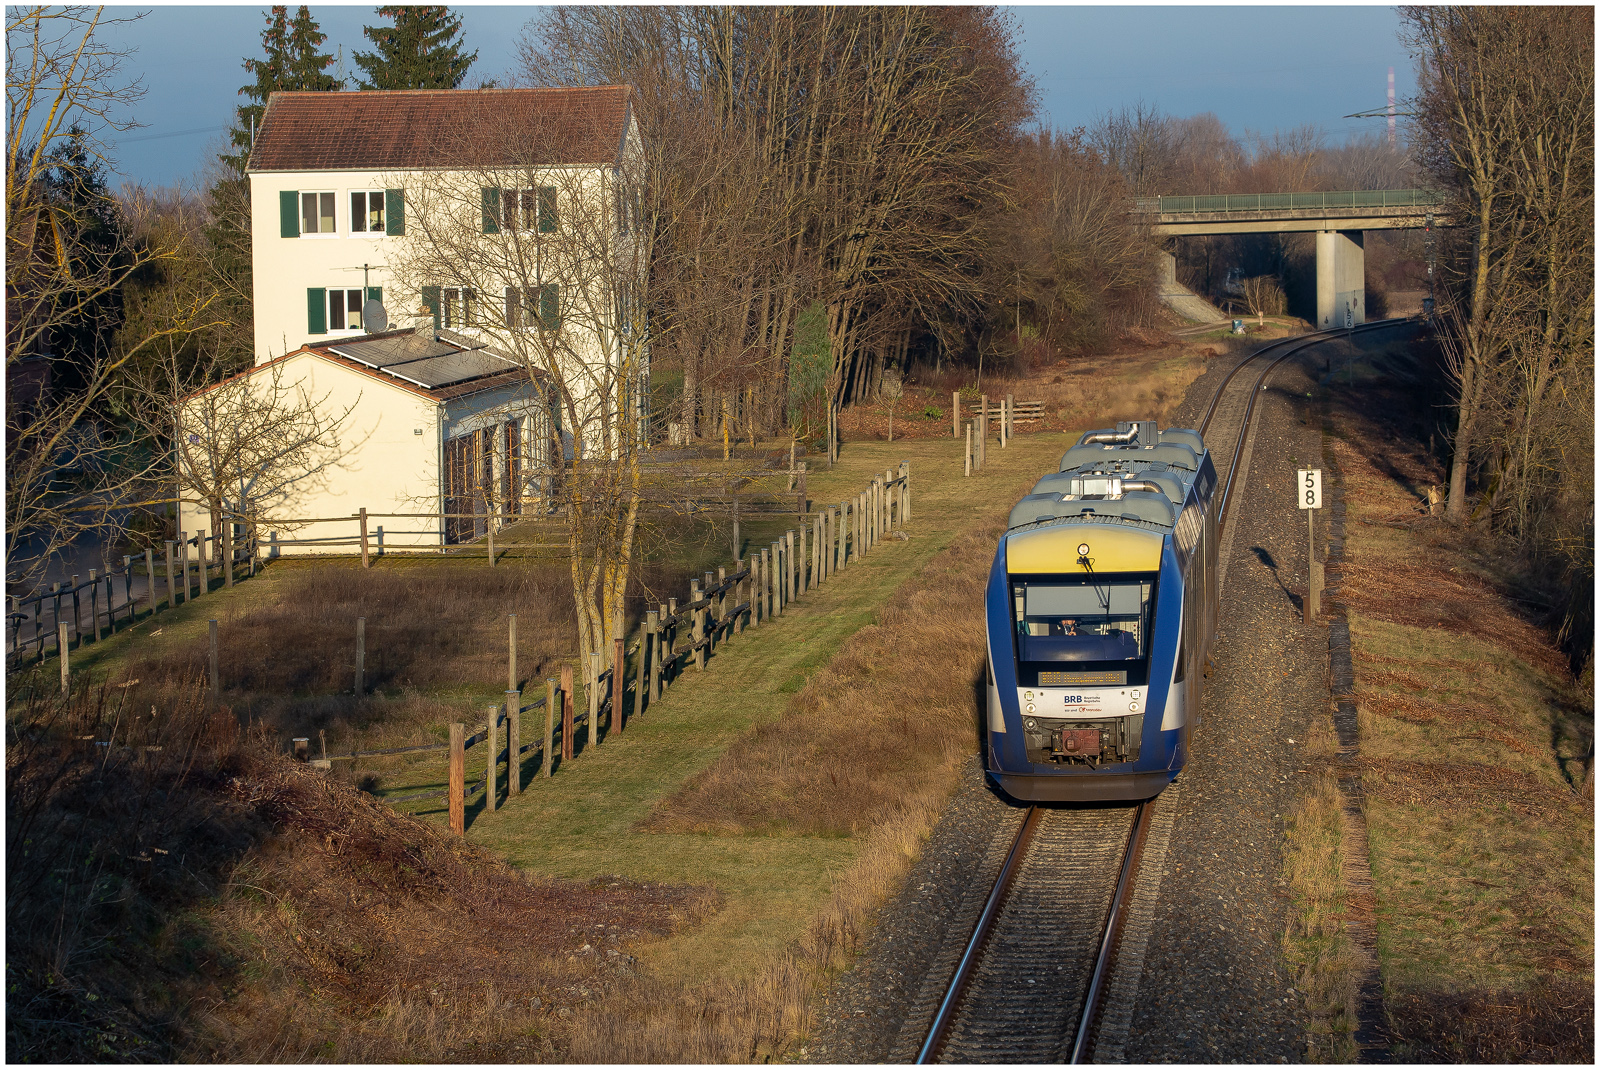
1258	68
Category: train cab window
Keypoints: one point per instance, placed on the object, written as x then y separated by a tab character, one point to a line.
1084	619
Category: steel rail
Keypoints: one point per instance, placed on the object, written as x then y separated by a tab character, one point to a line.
980	936
1113	930
1305	342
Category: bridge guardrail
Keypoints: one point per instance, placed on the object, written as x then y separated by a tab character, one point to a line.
1260	202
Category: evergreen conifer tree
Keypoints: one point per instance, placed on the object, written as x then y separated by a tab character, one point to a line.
420	51
291	61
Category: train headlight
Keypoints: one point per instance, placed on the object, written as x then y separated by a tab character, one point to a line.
1031	709
1134	706
1083	549
1032	723
1028	695
1134	692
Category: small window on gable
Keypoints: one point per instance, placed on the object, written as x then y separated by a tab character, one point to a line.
366	212
316	213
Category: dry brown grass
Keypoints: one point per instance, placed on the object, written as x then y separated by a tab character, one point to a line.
876	731
1315	943
211	900
1475	741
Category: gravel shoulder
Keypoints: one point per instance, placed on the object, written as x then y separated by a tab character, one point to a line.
1213	987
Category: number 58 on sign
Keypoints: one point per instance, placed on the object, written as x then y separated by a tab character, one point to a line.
1308	488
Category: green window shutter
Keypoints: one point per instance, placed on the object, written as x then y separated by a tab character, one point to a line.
491	210
289	213
316	310
394	212
431	302
375	293
550	306
547	209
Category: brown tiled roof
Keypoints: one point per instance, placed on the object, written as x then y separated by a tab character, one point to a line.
418	128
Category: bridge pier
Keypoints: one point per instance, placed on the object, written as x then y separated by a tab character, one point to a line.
1341	278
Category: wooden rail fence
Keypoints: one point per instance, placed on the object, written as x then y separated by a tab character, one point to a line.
672	636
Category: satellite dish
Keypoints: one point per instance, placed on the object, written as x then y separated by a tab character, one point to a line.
373	315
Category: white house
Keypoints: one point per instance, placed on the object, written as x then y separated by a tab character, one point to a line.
453	277
415	421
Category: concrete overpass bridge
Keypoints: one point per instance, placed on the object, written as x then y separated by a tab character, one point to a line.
1340	220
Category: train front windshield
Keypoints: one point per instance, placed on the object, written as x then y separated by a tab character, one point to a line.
1094	624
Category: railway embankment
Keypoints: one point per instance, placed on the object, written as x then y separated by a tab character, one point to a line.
1457	747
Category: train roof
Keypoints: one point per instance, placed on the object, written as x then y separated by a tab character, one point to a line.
1134	476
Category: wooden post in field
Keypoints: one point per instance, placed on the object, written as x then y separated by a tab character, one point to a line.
227	551
361	655
696	629
1011	417
488	526
458	778
366	561
94	606
216	676
184	547
619	684
668	663
653	631
61	649
172	590
592	686
983	430
511	654
800	502
758	584
491	790
150	574
955	414
738	617
568	729
639	669
791	567
552	696
841	528
722	598
905	491
514	740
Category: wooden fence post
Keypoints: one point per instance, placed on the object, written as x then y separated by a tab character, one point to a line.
366	561
669	663
172	590
361	655
568	744
1011	417
695	627
183	548
150	573
653	628
777	578
905	490
491	790
983	430
514	740
966	456
639	669
619	683
216	676
552	696
955	414
94	606
511	656
756	586
61	650
488	527
841	526
458	778
592	686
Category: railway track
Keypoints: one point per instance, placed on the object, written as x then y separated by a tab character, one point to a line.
1031	985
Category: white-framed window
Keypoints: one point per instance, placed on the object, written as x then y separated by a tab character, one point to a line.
460	307
317	216
344	309
366	211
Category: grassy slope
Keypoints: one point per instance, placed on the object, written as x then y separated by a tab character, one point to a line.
1472	732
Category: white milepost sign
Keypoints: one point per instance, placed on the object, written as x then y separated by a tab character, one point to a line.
1309	488
1308	493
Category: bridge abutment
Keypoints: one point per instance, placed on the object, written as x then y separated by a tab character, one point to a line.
1341	278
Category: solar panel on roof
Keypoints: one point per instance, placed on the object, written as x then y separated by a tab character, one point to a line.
424	361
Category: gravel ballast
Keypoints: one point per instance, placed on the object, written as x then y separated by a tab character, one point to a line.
1213	986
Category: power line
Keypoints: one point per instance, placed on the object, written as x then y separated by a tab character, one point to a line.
175	133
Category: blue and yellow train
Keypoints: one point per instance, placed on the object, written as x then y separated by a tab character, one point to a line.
1101	608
